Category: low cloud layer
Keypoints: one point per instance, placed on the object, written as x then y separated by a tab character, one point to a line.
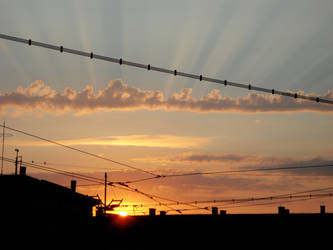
234	159
237	160
119	96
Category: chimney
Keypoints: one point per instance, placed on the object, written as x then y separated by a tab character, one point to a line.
162	213
152	211
322	209
214	210
23	170
283	210
223	212
73	185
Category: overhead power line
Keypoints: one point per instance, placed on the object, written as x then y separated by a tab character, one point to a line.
96	181
80	151
163	70
157	176
299	196
99	181
232	172
233	201
156	198
293	200
58	171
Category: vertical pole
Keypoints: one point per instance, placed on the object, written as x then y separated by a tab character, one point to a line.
20	161
105	184
3	145
16	161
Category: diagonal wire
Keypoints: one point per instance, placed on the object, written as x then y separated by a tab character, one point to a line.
154	197
57	171
232	171
80	151
163	70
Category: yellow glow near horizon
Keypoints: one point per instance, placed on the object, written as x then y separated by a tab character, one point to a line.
170	141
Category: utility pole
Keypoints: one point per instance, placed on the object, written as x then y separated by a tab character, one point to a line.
20	161
105	185
16	161
3	145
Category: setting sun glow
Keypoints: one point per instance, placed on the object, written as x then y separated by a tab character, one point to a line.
123	213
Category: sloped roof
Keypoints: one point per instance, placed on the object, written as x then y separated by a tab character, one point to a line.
36	189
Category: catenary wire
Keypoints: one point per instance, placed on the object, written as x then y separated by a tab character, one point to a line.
57	171
305	198
295	195
231	201
154	197
169	175
149	67
232	172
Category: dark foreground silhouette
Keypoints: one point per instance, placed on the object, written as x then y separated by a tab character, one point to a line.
175	229
34	211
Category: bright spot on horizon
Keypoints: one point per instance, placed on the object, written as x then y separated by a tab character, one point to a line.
123	213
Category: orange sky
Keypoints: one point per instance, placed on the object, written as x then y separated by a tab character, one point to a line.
168	124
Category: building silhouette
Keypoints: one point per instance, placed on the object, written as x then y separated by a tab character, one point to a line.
32	205
38	207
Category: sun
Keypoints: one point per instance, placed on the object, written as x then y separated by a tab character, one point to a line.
123	213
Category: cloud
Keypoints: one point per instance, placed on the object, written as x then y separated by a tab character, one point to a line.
241	161
235	159
119	96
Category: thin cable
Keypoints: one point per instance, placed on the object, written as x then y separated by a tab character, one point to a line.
295	195
154	197
245	200
57	171
142	193
232	172
28	164
80	151
309	197
148	67
73	166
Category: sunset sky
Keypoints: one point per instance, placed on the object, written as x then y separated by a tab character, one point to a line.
168	124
